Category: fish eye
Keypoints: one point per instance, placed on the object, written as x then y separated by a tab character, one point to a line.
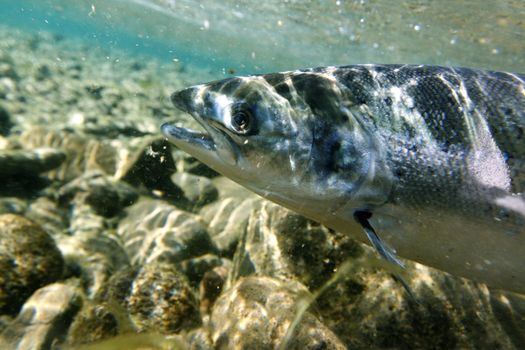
242	120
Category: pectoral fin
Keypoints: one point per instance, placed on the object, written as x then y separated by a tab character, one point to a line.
387	253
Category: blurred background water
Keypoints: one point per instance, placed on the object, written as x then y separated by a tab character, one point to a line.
245	37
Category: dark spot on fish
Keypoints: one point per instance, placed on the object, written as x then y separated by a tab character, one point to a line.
359	82
388	101
443	114
413	148
318	93
518	132
399	173
508	111
326	150
278	81
333	155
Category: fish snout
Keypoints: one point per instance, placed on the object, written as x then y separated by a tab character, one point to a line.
184	99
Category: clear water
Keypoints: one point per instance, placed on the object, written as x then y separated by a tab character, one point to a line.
263	36
228	37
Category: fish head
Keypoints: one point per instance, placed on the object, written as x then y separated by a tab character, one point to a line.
288	137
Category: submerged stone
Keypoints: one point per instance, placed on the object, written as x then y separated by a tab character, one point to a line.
151	166
20	170
360	301
196	268
156	231
5	121
93	324
211	286
49	215
29	259
282	244
227	221
29	163
44	319
93	256
106	196
198	190
12	205
157	297
256	313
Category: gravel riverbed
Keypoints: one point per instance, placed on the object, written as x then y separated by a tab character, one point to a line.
111	238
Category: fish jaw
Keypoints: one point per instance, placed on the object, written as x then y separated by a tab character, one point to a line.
200	145
212	147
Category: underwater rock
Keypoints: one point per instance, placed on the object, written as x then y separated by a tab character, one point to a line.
92	253
143	341
74	147
161	299
82	153
156	231
94	256
211	287
446	313
91	248
8	89
282	244
157	297
509	310
8	70
43	72
44	318
364	305
29	259
5	321
47	214
5	122
227	221
198	190
198	339
256	313
120	158
196	268
93	323
152	166
83	218
106	196
29	163
12	205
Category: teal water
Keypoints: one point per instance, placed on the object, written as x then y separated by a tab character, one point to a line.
262	36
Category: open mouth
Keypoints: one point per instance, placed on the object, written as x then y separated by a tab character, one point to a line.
183	137
212	147
187	139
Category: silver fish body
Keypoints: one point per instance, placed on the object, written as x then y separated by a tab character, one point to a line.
433	156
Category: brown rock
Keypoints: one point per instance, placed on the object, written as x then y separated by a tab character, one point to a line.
256	313
29	259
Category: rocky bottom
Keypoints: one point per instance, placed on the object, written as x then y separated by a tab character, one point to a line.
112	239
